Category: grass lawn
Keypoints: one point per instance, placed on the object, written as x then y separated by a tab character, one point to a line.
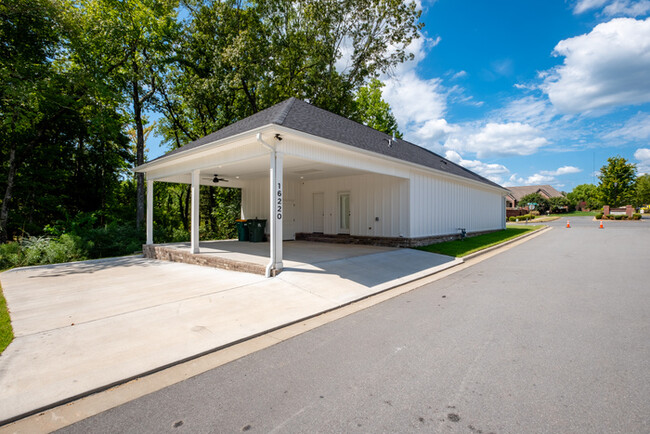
575	214
6	333
469	245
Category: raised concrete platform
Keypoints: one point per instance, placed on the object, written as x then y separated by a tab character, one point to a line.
253	257
85	326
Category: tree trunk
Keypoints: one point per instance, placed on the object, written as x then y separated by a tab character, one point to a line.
4	211
139	156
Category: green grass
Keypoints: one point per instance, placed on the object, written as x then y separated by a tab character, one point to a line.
575	214
469	245
6	333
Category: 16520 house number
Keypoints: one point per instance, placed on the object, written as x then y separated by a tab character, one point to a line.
279	202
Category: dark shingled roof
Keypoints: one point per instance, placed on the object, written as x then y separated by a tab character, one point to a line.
301	116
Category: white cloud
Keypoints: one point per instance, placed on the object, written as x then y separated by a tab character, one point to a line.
585	5
643	155
459	74
564	170
627	8
493	172
499	139
543	177
418	105
636	128
603	69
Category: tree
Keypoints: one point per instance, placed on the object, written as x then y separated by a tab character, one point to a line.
617	182
587	193
132	42
643	190
373	111
542	203
558	204
238	57
61	140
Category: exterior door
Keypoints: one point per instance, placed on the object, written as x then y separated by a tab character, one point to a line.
319	213
344	213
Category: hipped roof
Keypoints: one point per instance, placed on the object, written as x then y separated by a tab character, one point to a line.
304	117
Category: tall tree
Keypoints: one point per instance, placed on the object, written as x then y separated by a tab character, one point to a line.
373	111
643	189
587	193
239	57
133	41
617	182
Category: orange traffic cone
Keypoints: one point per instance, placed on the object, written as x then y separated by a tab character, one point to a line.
567	224
601	225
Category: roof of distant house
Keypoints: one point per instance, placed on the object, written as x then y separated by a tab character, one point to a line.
519	192
304	117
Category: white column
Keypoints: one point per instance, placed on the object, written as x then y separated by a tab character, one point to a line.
277	213
149	212
194	236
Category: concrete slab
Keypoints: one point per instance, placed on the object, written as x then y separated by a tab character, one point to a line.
86	326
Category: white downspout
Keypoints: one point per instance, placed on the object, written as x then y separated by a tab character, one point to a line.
271	199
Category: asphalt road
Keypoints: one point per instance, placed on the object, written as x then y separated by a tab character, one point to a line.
552	336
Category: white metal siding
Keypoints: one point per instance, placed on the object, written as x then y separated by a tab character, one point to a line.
440	207
255	199
371	196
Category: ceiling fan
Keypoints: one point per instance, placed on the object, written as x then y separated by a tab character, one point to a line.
215	178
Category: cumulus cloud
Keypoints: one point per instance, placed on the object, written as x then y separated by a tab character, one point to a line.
605	68
493	172
636	128
643	156
500	139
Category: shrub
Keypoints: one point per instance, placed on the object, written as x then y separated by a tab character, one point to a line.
512	218
619	217
636	216
534	213
599	216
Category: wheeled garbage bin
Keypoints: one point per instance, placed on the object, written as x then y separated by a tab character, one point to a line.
242	229
256	230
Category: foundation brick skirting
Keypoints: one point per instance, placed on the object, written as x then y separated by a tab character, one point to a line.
383	241
174	255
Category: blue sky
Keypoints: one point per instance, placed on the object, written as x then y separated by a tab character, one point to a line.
527	92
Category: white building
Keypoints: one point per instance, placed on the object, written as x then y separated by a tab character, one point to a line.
326	174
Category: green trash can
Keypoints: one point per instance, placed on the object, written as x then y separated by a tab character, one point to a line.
256	230
242	229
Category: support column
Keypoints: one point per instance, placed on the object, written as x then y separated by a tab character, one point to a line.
194	235
277	213
149	212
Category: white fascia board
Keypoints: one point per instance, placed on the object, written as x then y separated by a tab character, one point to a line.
394	160
166	161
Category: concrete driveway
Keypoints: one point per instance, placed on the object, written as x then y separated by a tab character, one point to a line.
85	326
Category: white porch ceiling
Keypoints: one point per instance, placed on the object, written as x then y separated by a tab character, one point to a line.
255	168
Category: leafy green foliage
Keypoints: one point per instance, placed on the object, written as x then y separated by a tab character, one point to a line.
617	182
373	111
643	190
236	58
460	248
6	332
542	206
587	193
559	204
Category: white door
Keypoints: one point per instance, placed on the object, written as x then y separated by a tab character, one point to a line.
344	213
319	213
289	220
